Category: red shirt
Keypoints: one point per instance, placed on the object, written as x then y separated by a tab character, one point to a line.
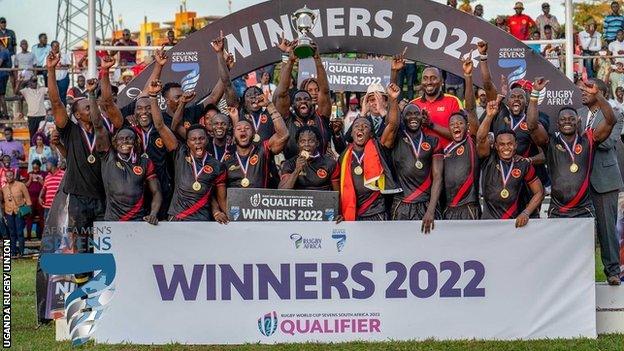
519	26
440	111
50	186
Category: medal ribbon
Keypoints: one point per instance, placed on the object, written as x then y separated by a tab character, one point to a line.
511	121
358	159
452	146
196	173
90	144
107	123
416	151
131	157
145	138
568	148
240	163
216	152
256	124
505	177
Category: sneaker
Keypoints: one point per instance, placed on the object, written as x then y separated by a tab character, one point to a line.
614	280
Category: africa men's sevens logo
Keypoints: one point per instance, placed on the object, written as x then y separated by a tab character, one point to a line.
189	81
85	305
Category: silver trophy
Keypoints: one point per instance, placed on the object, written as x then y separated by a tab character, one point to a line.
303	20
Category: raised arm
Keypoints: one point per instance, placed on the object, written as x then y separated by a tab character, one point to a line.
167	136
176	124
604	128
324	100
389	134
109	106
486	76
280	96
539	134
231	98
55	143
224	74
471	103
102	141
58	109
278	141
398	62
483	144
160	59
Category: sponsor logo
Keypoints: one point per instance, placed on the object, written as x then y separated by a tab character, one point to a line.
514	58
253	160
329	214
263	118
234	212
267	324
516	173
159	143
321	173
137	170
340	235
186	62
556	97
425	146
208	169
302	242
460	150
578	149
85	305
524	126
255	199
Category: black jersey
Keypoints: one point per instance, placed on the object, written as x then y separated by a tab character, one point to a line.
262	122
461	173
254	167
294	124
318	174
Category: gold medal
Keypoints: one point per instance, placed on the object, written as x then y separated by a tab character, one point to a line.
257	138
305	154
91	159
144	155
196	186
419	164
358	170
574	168
119	165
504	193
245	182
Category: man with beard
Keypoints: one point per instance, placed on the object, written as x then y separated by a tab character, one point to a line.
248	166
365	175
417	161
303	110
310	170
258	116
83	183
461	163
439	106
124	173
505	173
173	91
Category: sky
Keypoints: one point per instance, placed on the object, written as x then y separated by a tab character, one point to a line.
28	18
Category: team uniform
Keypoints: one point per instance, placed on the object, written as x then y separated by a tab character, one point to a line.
125	182
155	150
192	115
294	124
502	183
413	161
570	168
440	111
318	174
262	122
219	152
461	180
251	171
195	180
83	178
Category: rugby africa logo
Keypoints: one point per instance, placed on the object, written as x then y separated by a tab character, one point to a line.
267	324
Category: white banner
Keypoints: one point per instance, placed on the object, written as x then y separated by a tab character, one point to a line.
247	282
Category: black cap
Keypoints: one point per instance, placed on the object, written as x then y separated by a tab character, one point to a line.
2	19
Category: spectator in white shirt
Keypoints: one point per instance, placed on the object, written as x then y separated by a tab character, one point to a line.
618	100
24	60
62	76
267	87
547	19
617	46
35	97
47	125
550	51
590	43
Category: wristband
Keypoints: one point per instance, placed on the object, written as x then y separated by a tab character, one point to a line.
526	213
467	75
153	96
483	57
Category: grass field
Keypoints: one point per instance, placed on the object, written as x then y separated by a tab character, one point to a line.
25	336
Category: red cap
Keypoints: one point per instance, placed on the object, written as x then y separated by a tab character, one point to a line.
525	84
353	101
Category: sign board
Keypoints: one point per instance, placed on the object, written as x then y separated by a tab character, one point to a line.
281	205
255	282
348	74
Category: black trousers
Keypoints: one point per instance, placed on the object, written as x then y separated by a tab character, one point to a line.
605	205
82	211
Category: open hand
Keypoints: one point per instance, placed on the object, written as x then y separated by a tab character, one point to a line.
393	91
540	83
160	57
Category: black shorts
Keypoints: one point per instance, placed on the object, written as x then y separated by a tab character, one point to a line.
3	85
584	212
376	217
402	211
471	211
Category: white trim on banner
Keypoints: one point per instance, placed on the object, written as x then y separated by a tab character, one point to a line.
285	282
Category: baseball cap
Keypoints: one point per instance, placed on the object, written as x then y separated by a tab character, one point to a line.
353	101
519	5
127	73
376	88
2	20
525	84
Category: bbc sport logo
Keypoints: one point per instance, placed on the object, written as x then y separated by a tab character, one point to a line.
267	324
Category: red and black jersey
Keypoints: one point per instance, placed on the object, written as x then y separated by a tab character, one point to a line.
189	204
125	182
415	181
318	173
525	146
153	146
570	190
294	124
461	173
262	122
520	172
257	162
219	152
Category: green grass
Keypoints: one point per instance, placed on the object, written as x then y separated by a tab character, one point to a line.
25	336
